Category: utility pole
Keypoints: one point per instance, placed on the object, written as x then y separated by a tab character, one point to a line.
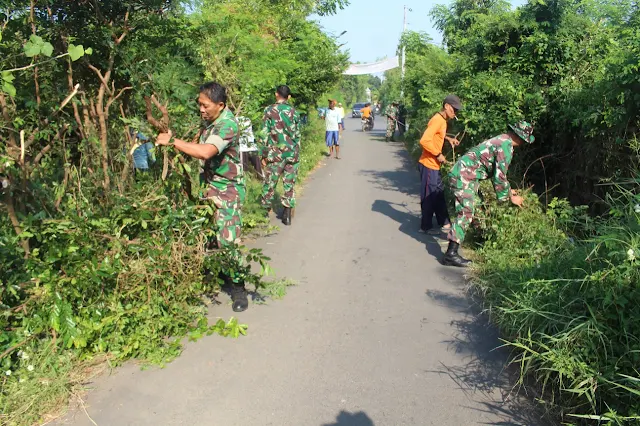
404	30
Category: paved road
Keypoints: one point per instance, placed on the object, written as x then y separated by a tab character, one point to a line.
377	332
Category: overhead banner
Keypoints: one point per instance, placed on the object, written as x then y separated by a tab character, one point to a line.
376	67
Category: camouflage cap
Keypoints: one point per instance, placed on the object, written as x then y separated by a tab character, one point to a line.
524	129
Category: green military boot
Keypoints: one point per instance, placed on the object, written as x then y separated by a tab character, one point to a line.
452	258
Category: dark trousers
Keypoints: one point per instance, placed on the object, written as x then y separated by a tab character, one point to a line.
432	198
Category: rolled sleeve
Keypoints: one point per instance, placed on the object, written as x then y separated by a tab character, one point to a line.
218	142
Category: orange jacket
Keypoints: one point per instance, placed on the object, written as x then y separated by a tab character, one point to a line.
432	141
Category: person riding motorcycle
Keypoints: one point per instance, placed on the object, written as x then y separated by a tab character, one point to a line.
367	114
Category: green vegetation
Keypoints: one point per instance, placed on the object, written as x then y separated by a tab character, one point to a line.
276	289
353	88
98	263
561	282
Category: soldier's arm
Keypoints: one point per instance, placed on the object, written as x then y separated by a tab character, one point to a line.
267	125
217	142
297	133
500	181
197	150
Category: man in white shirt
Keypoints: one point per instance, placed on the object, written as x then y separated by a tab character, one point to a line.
332	122
340	109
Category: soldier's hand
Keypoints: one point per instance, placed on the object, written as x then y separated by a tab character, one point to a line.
164	138
517	200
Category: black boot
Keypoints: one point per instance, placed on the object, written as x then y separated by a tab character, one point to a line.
286	216
239	299
452	258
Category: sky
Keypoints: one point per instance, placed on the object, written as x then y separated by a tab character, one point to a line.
374	26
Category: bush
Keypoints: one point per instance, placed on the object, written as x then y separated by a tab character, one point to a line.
96	262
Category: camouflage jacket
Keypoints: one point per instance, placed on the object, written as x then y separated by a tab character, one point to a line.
225	169
391	111
280	128
489	160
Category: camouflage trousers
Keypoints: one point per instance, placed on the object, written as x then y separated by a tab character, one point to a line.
285	164
465	198
228	225
391	127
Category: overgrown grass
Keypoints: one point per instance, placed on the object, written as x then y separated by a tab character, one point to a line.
568	306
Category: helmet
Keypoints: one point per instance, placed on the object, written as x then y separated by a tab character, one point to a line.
523	129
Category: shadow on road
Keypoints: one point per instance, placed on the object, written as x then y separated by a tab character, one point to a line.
349	419
409	224
485	375
404	179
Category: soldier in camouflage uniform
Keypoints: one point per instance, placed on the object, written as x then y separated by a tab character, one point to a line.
489	160
392	117
280	139
223	177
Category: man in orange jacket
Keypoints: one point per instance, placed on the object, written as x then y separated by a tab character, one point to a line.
432	199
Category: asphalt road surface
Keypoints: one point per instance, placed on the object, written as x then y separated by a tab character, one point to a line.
376	332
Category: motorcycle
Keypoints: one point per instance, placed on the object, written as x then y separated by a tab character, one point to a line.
367	124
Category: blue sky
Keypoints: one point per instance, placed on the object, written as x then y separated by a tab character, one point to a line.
374	26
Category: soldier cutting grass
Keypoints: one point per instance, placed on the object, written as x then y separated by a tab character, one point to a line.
223	177
281	152
392	117
489	160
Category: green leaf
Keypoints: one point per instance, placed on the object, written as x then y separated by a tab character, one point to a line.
88	51
37	40
75	52
9	89
47	49
31	49
7	76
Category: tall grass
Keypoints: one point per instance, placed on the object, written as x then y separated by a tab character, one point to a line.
565	291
